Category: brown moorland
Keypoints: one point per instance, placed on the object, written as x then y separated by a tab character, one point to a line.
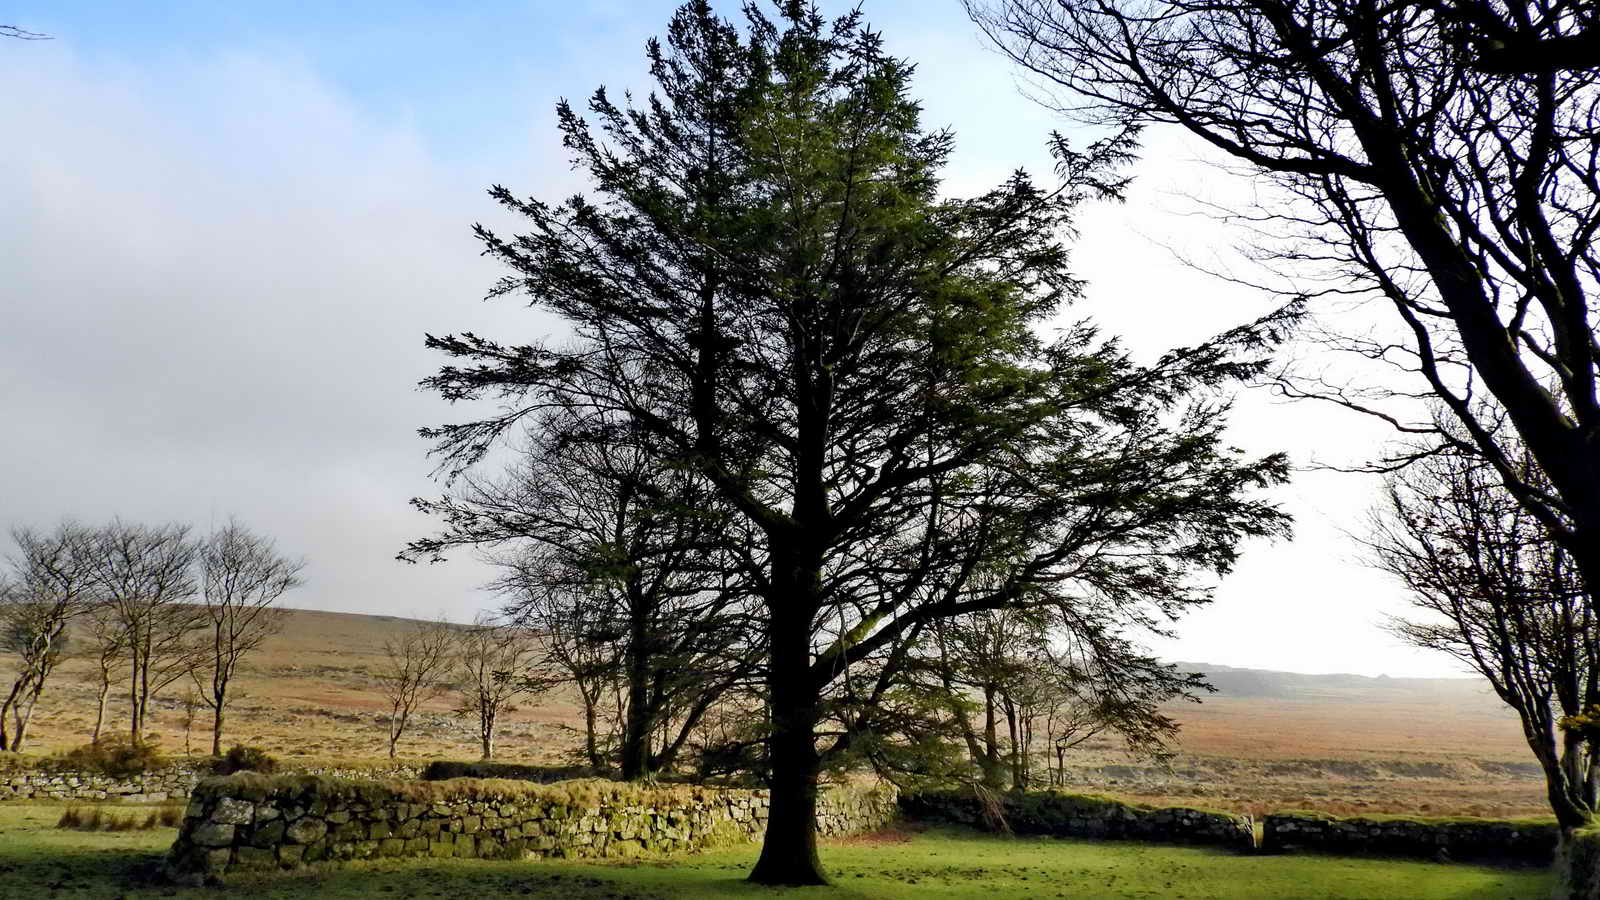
1264	741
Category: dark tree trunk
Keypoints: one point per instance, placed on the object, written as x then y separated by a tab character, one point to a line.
789	851
219	706
591	747
217	716
638	723
135	727
994	771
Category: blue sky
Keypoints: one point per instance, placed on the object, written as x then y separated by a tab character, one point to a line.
226	227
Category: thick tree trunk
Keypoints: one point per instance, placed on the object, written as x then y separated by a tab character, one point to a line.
789	851
487	735
637	724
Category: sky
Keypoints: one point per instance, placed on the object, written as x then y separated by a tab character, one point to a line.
225	229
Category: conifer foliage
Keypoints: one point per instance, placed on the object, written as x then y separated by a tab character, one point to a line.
765	286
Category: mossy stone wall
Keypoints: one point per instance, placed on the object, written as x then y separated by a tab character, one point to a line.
1460	838
48	779
1060	814
151	787
245	822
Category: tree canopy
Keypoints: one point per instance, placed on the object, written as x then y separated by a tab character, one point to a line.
766	286
1437	158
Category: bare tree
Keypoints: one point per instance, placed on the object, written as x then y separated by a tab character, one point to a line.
1020	666
587	518
191	703
568	617
1502	597
413	672
1463	199
49	587
145	575
491	666
241	576
107	645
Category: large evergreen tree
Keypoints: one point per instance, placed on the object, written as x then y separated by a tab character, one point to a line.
769	287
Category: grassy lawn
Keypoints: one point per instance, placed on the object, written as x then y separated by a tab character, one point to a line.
38	861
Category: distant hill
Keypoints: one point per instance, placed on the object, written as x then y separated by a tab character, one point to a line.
1231	681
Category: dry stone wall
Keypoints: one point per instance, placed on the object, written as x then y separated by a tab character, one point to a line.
1462	838
151	787
249	822
1061	814
45	780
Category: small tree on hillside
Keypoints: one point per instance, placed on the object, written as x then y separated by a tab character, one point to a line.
146	577
1500	595
568	615
50	586
414	671
492	663
105	647
241	576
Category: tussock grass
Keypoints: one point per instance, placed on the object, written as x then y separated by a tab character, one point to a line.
99	818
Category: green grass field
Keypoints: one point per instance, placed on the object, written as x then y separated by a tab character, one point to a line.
38	860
